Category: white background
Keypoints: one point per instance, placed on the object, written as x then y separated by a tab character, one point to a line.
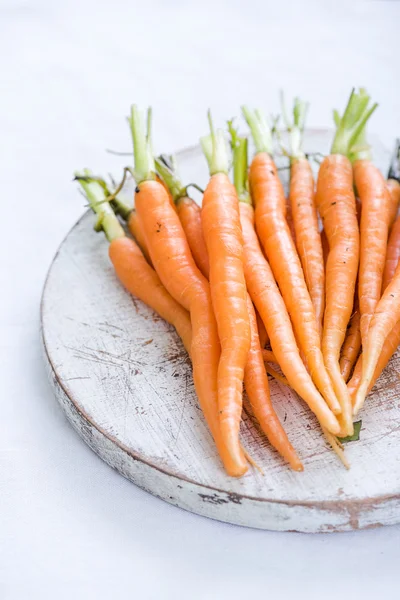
70	527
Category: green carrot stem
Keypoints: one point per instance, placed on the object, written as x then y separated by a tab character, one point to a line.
167	169
295	129
259	128
240	164
215	150
351	127
142	146
97	198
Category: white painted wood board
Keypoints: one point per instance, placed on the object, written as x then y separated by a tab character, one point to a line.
124	381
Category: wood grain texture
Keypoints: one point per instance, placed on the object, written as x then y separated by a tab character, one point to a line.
124	381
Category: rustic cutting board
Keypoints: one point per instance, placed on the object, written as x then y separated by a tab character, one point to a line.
124	381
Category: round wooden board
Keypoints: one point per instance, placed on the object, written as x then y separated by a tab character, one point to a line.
124	381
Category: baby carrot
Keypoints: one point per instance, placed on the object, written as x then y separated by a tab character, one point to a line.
392	254
352	344
173	261
132	269
374	229
223	236
337	207
257	388
189	213
266	296
304	213
273	231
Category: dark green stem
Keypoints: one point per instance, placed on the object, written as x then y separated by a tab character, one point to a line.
259	128
350	131
97	198
240	164
142	146
215	150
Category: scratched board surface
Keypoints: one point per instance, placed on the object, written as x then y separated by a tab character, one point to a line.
124	380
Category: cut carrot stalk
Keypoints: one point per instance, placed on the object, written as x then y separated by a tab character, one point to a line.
131	267
223	237
304	213
274	234
266	296
173	261
337	207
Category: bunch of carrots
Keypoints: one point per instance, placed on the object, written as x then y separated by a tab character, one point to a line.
251	268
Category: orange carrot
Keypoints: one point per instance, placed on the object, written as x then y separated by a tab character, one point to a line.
336	203
325	246
269	356
266	296
132	269
262	332
304	214
189	213
374	229
257	388
392	254
352	344
223	237
136	231
173	261
337	207
393	187
273	231
386	316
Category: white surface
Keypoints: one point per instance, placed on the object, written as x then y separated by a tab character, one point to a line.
69	525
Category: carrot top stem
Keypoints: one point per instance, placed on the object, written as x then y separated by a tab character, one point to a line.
96	194
167	169
295	128
215	149
259	128
240	164
144	168
351	126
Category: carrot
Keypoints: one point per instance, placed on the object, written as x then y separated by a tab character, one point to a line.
273	231
393	187
304	213
374	229
173	261
262	332
392	254
325	246
266	296
189	213
222	233
132	269
257	388
337	207
269	356
352	344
